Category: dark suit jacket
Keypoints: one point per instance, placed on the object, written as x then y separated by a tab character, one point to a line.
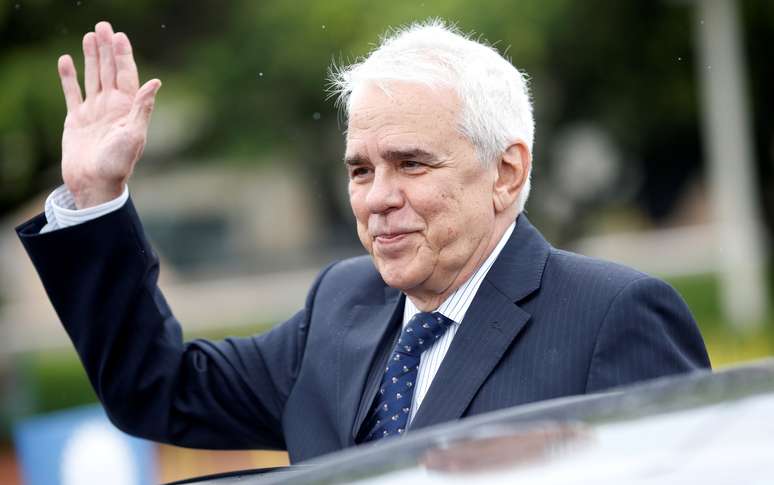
545	323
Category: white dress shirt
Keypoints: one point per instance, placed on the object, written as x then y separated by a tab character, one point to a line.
454	308
61	212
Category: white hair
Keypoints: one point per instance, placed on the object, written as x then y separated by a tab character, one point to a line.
496	108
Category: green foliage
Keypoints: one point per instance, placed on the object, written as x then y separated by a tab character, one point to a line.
256	74
726	343
702	293
54	380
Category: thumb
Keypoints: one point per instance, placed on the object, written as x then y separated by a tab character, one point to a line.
144	99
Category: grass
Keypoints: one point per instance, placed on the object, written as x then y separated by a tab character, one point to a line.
726	343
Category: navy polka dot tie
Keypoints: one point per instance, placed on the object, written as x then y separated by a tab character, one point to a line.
392	405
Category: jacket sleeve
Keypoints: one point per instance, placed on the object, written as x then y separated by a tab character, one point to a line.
101	277
647	332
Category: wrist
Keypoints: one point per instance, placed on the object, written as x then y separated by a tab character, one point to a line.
94	196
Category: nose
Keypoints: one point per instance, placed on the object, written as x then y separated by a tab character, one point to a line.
384	193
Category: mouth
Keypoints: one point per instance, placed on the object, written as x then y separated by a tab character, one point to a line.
392	238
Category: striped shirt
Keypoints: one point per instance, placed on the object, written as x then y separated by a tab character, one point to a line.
61	211
454	307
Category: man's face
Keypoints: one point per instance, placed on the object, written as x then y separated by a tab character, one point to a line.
422	199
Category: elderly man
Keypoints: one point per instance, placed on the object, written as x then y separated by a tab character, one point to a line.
461	308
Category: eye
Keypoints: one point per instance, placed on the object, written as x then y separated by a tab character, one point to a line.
411	165
359	172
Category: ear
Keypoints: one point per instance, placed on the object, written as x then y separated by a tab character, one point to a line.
512	171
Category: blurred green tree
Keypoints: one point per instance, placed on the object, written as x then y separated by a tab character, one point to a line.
255	73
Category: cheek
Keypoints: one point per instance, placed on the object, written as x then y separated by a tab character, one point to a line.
359	209
458	215
357	202
443	214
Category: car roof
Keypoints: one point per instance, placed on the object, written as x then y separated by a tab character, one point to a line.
669	426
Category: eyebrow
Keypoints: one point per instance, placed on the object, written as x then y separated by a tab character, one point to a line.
393	155
407	154
356	159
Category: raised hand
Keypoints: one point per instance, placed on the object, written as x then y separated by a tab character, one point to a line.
104	134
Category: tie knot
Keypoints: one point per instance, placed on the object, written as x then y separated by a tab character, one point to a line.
421	332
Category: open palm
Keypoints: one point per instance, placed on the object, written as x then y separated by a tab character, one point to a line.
104	134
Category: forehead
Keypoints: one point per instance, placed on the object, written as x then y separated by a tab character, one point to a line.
401	112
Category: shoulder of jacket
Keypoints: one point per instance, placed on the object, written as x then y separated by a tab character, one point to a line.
356	277
588	271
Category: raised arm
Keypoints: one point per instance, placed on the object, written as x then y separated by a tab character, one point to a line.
104	134
101	278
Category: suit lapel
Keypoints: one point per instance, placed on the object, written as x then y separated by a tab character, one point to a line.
490	326
361	344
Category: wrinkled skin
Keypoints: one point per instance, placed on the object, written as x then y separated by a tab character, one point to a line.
105	132
427	210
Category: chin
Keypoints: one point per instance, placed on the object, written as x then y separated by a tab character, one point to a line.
396	275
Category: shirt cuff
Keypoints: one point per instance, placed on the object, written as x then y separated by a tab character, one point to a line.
61	211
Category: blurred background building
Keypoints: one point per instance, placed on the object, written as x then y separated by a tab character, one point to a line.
654	147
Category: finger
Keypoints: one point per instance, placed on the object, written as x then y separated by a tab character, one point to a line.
126	70
142	106
107	66
70	87
91	64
